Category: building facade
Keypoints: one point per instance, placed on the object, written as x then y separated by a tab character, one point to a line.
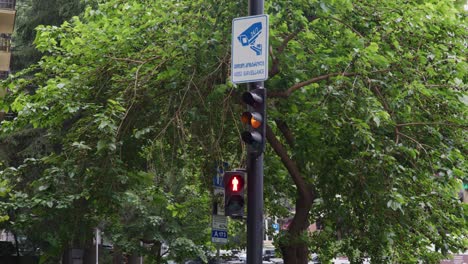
7	25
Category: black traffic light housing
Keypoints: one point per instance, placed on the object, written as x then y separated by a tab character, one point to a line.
255	118
234	184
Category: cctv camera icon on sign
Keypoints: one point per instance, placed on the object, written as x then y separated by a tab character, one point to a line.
250	35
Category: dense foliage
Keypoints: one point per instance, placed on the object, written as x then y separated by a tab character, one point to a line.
116	127
379	133
131	107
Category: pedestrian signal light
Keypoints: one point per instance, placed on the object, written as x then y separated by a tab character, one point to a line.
234	182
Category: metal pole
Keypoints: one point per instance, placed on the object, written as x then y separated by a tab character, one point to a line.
98	237
256	7
255	178
254	208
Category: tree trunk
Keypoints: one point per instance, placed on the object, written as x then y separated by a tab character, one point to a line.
156	249
89	256
16	244
117	256
73	255
295	251
134	259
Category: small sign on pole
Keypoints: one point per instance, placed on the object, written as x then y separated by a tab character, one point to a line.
219	222
219	231
219	236
249	50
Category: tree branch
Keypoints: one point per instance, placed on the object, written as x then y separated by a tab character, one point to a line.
297	86
346	25
443	86
133	60
287	133
415	141
291	166
430	123
382	98
275	65
387	108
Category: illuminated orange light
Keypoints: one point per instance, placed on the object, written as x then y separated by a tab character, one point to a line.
255	123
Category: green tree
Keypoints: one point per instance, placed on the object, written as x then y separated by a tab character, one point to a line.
367	116
109	129
368	100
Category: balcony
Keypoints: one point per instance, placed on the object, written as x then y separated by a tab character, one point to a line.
7	4
7	16
5	52
7	23
5	42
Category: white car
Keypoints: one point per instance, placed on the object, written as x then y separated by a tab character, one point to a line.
277	260
340	260
344	260
242	257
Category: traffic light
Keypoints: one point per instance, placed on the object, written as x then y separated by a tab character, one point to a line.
234	183
255	119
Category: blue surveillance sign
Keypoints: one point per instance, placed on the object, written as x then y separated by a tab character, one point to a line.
249	50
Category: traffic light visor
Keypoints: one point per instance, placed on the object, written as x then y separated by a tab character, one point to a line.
252	98
251	137
234	182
